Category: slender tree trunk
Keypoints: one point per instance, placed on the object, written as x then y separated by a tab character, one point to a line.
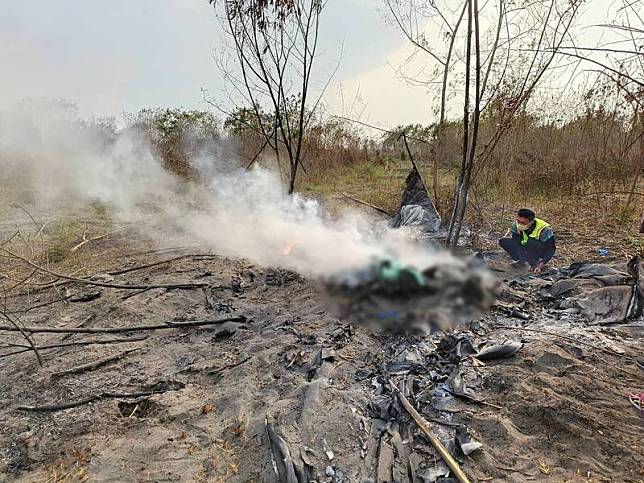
475	129
466	118
441	121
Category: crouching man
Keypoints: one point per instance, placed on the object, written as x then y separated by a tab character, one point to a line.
532	243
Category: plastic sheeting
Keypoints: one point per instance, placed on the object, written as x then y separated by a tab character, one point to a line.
417	208
602	294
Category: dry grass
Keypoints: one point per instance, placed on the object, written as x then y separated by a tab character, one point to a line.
56	242
70	467
582	224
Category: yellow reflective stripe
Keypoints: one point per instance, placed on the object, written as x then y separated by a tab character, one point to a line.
536	233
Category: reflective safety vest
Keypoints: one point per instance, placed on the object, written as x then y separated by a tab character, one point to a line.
536	231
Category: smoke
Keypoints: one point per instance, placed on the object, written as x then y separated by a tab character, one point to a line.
56	159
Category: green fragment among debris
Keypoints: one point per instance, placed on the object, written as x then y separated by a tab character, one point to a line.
394	275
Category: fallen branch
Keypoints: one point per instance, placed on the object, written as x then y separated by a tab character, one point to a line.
150	265
73	404
221	369
161	251
57	282
121	340
40	286
87	240
92	365
42	227
424	426
20	282
134	294
116	330
15	326
102	284
5	242
366	203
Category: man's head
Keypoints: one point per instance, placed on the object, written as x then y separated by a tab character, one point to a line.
525	217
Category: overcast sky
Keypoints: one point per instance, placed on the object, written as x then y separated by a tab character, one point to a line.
117	56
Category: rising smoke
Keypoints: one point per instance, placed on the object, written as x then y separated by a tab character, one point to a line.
47	152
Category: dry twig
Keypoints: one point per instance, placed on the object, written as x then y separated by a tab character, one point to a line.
92	365
366	203
15	326
102	284
116	330
26	348
149	265
87	240
102	395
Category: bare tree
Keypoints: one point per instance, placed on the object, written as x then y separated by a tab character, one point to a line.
409	20
469	143
499	35
275	46
618	60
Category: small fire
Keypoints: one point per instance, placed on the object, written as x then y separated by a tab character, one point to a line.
288	248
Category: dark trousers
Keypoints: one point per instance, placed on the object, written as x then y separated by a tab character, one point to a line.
531	252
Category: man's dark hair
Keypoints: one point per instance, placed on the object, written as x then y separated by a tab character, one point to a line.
526	213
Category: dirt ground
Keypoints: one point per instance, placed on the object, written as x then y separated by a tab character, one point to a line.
556	411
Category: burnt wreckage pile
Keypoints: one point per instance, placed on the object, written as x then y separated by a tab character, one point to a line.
425	374
440	376
406	428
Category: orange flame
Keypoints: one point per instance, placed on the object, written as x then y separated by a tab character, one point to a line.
288	248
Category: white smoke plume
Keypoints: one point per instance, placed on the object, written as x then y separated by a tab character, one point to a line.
58	159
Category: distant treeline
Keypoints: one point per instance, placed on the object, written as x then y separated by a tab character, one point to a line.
596	149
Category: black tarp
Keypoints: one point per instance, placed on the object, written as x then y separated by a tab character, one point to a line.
416	207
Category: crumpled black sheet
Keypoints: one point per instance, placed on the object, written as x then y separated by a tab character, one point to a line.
603	294
416	207
586	270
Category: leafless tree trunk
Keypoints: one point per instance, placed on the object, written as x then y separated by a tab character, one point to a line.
459	192
471	150
275	45
437	145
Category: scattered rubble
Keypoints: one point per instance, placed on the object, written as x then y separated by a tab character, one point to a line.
260	382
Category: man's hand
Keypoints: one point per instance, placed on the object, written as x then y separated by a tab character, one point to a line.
538	267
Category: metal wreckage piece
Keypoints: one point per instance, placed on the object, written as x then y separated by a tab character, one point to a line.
401	298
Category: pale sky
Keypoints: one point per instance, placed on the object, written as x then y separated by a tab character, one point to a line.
117	56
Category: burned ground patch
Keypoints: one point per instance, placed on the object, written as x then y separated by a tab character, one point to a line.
552	409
